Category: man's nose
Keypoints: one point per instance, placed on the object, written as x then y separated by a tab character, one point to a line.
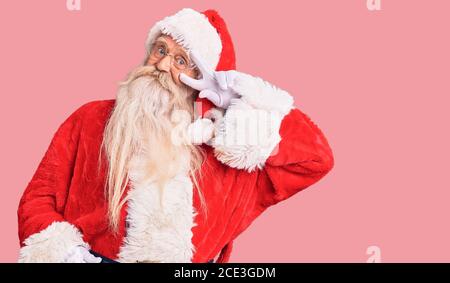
164	64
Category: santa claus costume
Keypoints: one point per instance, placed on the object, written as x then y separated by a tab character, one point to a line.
64	203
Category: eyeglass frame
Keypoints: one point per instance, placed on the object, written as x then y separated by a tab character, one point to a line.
191	65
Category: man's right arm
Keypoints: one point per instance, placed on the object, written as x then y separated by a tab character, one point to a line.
45	236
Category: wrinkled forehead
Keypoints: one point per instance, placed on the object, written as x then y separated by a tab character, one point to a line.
171	43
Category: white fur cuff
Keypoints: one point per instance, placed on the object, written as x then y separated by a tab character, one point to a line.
249	132
261	94
51	244
246	137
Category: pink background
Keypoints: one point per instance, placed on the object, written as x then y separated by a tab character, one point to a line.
376	83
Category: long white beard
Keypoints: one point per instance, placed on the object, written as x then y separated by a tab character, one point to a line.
160	208
150	102
141	125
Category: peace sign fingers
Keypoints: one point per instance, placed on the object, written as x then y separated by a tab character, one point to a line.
207	80
195	84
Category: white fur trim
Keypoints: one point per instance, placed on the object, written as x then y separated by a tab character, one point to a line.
261	94
51	244
155	234
249	132
193	31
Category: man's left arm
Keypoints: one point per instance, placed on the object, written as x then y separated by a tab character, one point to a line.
262	131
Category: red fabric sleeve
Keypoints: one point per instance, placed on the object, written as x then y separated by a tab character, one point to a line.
43	200
302	157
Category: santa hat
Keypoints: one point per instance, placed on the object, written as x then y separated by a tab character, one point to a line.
204	32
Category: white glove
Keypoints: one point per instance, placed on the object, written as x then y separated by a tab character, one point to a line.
201	131
216	86
80	254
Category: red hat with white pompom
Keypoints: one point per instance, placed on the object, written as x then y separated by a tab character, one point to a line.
204	32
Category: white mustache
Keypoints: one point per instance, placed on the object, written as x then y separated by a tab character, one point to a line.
164	79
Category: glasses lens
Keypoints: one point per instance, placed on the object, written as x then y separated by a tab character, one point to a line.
158	50
181	62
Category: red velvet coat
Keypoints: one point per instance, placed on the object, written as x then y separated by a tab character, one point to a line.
66	188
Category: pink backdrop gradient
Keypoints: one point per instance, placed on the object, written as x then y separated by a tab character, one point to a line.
376	82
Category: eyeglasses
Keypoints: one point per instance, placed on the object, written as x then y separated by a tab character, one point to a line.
159	50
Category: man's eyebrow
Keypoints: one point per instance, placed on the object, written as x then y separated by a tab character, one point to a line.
183	53
161	40
179	49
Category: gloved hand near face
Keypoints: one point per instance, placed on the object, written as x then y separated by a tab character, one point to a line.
216	86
